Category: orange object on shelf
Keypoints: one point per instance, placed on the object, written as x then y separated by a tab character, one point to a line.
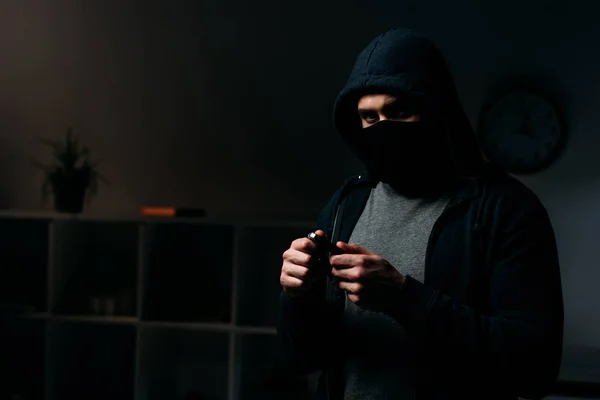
173	212
159	211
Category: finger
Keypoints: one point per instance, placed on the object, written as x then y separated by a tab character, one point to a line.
300	258
355	299
353	274
345	261
290	282
293	286
304	245
351	287
299	279
321	233
353	248
298	272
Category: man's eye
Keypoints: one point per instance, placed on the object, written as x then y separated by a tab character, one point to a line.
369	116
401	113
404	114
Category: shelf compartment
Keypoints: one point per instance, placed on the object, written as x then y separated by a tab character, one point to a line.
258	287
93	362
261	374
95	268
24	266
183	364
97	319
188	274
22	360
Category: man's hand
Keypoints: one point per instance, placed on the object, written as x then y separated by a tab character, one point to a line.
370	281
300	275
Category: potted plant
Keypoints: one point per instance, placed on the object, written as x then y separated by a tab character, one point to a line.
70	175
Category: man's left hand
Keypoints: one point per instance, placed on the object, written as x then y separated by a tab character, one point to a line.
370	281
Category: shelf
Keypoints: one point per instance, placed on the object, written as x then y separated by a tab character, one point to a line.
22	350
189	272
198	326
94	362
102	319
261	250
95	268
97	319
23	256
141	308
88	216
210	327
118	320
251	330
260	374
180	364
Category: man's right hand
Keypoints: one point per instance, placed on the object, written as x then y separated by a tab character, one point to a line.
301	273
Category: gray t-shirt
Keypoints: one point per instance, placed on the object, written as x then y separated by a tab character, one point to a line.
379	354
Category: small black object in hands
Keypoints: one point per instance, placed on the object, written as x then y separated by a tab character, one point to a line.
324	244
327	249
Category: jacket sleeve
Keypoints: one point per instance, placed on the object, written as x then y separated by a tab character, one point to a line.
305	325
517	344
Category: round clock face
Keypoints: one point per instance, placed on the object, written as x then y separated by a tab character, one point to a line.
521	132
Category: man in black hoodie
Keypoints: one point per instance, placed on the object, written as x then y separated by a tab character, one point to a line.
451	286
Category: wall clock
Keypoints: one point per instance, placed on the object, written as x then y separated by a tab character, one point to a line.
521	131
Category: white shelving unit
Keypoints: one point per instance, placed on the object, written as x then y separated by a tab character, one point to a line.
144	308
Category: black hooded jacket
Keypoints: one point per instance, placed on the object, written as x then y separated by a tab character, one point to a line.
488	319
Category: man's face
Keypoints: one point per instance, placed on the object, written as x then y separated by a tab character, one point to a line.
373	108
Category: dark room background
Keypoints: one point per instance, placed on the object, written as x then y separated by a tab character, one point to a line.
226	105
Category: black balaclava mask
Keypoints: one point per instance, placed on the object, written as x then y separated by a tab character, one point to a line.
412	157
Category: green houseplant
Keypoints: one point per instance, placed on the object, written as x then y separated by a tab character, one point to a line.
71	175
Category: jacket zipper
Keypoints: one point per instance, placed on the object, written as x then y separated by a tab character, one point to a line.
333	234
334	238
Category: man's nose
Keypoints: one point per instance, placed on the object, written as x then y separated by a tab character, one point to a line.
382	117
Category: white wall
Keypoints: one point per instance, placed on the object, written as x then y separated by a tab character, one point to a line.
226	104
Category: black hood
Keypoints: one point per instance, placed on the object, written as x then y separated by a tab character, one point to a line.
401	62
